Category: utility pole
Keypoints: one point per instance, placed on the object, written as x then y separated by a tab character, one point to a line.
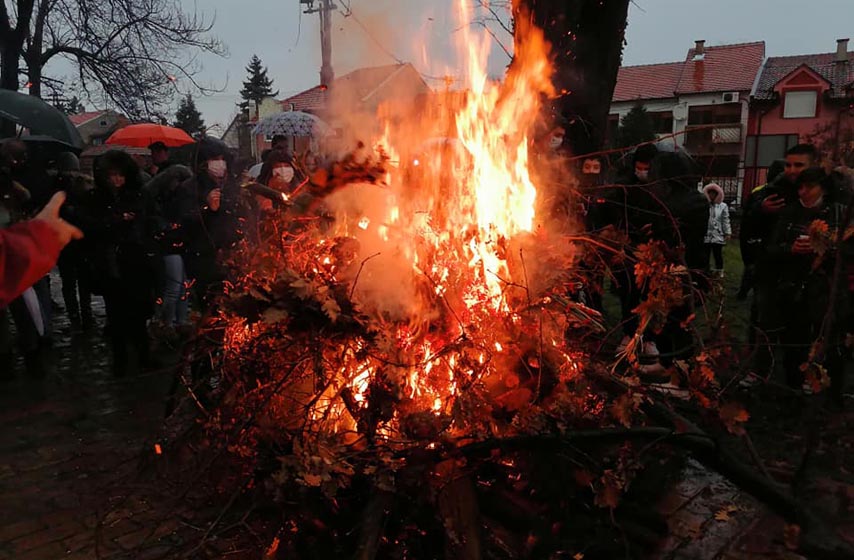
325	10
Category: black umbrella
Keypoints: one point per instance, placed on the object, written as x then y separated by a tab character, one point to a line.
47	141
40	118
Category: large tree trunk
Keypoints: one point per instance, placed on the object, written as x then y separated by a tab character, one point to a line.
9	68
587	39
10	56
33	56
11	49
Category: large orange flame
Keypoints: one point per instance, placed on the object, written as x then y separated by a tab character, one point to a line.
435	267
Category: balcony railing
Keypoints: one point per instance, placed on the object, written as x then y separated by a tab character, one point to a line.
713	137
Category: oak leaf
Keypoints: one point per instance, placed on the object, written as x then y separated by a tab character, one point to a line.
332	309
312	479
734	416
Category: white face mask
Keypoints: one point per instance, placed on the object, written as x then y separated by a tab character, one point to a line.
555	142
642	175
217	168
286	174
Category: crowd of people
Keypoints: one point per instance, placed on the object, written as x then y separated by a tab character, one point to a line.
797	264
151	235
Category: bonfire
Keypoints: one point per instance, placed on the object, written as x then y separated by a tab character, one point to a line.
406	322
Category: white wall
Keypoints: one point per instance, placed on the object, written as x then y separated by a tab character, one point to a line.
692	100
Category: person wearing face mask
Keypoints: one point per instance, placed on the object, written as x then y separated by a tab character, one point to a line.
213	216
278	173
117	248
805	280
642	163
626	212
590	184
555	138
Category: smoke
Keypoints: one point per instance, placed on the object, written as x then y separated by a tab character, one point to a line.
453	225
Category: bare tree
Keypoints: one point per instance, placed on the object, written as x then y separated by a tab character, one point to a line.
496	17
134	52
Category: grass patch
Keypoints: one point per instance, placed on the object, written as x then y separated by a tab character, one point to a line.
719	307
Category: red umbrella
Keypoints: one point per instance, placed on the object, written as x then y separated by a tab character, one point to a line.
146	134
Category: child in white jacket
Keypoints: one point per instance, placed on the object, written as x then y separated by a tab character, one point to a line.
719	230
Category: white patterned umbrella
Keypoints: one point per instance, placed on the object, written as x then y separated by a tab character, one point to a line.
292	123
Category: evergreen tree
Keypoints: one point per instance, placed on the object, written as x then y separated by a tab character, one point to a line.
75	106
258	85
72	107
188	118
636	127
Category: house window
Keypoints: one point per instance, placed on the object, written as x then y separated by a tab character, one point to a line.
771	148
662	122
800	104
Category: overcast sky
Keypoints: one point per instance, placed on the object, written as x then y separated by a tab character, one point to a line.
422	32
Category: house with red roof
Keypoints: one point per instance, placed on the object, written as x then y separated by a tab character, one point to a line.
351	102
804	98
699	104
96	126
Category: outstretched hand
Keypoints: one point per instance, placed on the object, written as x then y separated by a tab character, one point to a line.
50	214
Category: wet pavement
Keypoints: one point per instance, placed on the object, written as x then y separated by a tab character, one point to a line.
76	455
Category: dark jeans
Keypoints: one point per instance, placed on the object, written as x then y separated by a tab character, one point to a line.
206	277
768	327
75	282
630	298
127	313
718	252
802	311
27	335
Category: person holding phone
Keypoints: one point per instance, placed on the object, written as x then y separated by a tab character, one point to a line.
804	268
765	211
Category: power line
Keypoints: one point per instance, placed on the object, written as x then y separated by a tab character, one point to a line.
350	14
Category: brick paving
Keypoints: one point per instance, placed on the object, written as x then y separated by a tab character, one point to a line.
75	454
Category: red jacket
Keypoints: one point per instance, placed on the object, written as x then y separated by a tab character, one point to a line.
28	251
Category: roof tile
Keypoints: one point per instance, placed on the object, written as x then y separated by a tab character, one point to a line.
82	118
776	68
652	81
723	68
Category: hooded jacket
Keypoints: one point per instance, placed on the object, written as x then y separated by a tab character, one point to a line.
114	222
167	207
719	227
